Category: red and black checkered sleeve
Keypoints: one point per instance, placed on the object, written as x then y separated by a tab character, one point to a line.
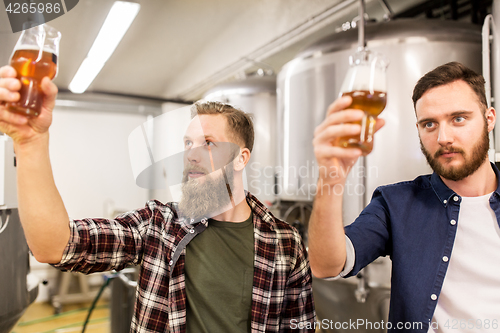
298	314
98	245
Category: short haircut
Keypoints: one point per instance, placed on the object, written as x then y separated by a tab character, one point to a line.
448	73
240	124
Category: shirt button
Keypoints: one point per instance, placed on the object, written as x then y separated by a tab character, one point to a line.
191	231
434	297
455	198
192	220
171	262
453	222
204	220
445	259
445	201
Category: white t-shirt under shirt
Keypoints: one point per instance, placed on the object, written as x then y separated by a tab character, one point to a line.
470	297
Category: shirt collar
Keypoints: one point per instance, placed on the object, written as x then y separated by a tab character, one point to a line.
445	194
260	211
497	174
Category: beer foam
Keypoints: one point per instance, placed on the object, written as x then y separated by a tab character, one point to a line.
364	77
46	48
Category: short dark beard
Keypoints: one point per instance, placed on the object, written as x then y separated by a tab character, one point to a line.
479	155
209	198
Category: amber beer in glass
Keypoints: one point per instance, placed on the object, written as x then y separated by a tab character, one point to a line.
365	82
34	57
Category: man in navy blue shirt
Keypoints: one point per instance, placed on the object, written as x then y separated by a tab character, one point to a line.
441	230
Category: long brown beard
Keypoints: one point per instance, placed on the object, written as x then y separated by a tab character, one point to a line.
207	199
479	154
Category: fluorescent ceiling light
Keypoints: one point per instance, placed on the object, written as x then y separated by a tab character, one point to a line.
119	19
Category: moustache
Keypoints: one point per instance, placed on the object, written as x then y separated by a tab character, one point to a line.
448	150
195	168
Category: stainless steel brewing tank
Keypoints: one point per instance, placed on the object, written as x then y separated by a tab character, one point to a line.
18	287
255	95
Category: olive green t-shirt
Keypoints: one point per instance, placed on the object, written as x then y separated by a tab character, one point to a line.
219	278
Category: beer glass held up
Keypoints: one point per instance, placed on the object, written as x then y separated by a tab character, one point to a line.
365	82
34	57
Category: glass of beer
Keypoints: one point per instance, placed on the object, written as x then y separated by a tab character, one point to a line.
34	57
365	82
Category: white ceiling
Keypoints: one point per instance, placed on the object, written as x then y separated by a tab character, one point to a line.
178	49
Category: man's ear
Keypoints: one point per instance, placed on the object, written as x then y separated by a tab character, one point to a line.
242	159
491	116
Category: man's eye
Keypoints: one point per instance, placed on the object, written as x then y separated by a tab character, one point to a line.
188	144
459	119
209	143
429	125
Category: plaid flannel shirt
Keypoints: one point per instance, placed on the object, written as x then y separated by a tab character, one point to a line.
155	238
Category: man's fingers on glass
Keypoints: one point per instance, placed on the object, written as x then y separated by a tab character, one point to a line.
7	95
339	105
332	132
7	72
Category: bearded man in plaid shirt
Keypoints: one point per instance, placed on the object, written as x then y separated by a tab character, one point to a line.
217	261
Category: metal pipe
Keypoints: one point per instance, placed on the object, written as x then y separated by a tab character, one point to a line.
495	62
126	280
486	57
361	46
488	27
3	225
361	25
388	10
112	107
269	49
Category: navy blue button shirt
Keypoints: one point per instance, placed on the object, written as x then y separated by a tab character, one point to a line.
415	223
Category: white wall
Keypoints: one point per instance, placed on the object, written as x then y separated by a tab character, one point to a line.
91	165
163	138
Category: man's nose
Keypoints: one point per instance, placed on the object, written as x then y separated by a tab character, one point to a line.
445	136
193	155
